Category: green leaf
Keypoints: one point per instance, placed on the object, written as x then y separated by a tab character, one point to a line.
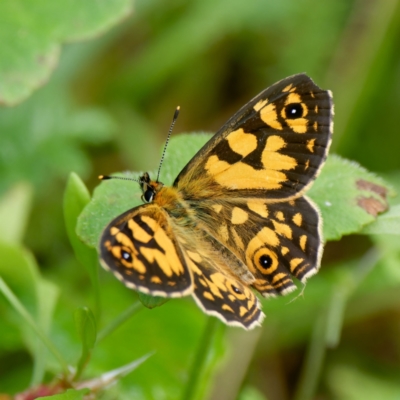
180	151
47	295
28	320
32	33
15	206
76	197
151	301
87	331
110	377
348	196
388	223
343	191
251	393
113	197
33	298
70	394
110	198
86	327
24	283
43	138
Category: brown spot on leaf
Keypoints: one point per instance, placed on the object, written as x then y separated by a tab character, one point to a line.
372	187
372	205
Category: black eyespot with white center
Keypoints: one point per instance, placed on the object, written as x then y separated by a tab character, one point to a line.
236	290
294	111
126	255
265	261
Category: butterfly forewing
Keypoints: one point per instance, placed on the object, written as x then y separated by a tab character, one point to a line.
140	248
272	148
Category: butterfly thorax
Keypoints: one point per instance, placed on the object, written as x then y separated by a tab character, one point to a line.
168	198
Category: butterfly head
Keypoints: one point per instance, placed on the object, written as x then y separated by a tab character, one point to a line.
149	188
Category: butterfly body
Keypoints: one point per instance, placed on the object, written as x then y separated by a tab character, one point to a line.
236	217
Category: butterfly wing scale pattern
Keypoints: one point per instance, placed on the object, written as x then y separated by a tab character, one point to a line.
220	294
275	241
272	148
236	217
140	248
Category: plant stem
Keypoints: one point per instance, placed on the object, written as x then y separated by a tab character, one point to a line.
314	360
18	306
124	316
200	360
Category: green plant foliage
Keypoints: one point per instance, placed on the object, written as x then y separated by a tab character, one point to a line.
15	206
388	223
36	314
151	301
86	327
250	393
30	56
70	394
76	196
39	149
359	384
339	192
90	88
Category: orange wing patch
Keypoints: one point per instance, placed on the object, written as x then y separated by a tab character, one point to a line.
243	176
242	143
270	116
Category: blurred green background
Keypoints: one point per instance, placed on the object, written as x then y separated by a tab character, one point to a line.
92	88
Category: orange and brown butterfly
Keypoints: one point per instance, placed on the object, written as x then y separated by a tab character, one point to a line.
235	218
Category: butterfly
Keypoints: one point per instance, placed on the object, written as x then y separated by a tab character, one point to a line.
236	217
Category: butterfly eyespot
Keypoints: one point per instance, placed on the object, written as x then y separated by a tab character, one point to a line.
294	111
265	261
126	255
236	290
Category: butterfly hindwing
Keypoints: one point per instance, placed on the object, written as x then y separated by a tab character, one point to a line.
274	240
296	227
273	147
220	294
140	248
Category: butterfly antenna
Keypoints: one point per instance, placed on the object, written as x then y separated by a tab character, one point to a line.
106	177
176	113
